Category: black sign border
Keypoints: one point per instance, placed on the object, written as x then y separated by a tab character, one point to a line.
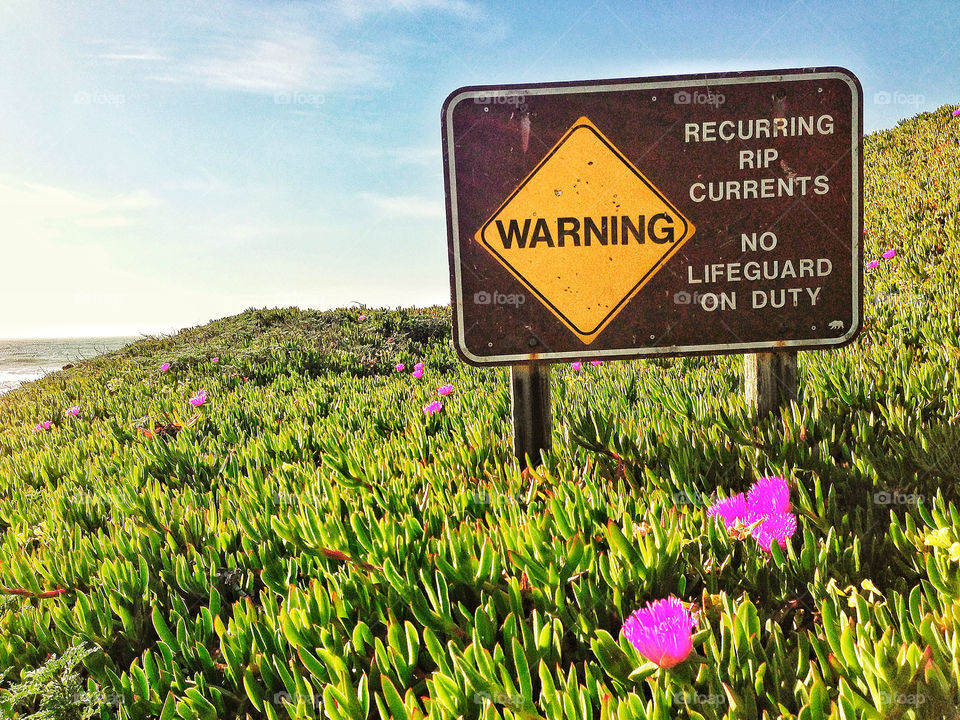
654	82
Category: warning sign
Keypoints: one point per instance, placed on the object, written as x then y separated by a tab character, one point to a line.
646	217
585	230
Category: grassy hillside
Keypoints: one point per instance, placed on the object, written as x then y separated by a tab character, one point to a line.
309	543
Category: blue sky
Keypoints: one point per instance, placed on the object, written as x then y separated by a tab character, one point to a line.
163	164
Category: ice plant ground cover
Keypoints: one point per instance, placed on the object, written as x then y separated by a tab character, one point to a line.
309	543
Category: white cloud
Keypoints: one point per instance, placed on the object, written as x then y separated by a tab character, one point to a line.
130	54
357	9
424	156
68	267
28	208
227	234
110	221
197	185
282	62
418	155
413	206
270	48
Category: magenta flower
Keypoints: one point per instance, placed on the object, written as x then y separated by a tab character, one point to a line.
889	254
768	496
729	510
577	365
43	425
445	389
418	370
957	111
873	264
779	527
164	367
216	359
767	502
75	410
398	367
433	407
199	399
595	362
661	631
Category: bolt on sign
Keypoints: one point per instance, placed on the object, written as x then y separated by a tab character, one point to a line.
692	214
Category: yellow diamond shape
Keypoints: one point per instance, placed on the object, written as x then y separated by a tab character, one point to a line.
585	231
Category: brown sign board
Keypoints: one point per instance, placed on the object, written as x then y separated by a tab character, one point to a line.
662	216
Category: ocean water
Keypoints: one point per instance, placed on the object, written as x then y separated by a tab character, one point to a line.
24	360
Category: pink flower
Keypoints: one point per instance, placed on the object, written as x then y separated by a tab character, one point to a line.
164	367
362	318
767	502
216	359
43	425
769	495
398	367
889	254
661	631
75	410
872	264
779	527
577	365
199	399
957	111
445	389
433	407
595	362
418	370
729	510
